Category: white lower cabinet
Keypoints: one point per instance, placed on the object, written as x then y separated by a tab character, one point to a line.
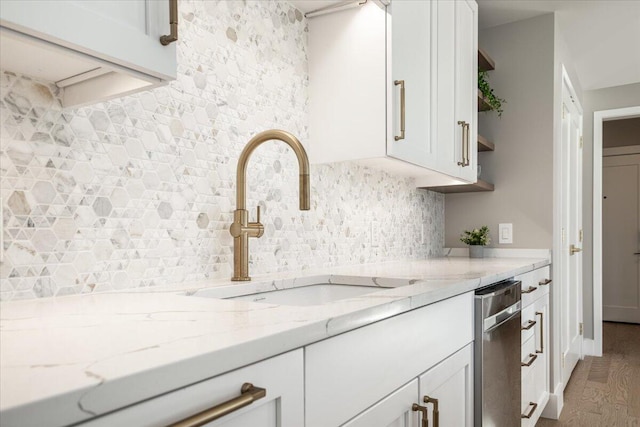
282	406
349	373
535	360
446	388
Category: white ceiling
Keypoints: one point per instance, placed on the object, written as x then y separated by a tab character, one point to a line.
603	36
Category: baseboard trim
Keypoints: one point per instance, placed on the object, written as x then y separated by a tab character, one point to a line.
589	348
556	403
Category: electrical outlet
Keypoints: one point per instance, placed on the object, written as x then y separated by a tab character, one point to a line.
505	234
375	234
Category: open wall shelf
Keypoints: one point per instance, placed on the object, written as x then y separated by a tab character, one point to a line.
466	188
484	144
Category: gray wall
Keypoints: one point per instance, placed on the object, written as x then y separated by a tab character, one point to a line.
597	100
621	133
521	167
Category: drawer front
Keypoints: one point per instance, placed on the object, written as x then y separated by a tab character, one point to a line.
345	375
282	406
529	322
535	284
529	357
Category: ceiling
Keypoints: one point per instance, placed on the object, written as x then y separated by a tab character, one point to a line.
603	36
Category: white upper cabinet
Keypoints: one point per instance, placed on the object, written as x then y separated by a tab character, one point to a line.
94	50
389	84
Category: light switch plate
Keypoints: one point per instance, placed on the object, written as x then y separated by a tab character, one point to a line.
505	234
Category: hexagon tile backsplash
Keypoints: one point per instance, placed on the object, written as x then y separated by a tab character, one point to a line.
140	191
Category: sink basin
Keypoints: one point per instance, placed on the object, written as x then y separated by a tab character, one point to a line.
315	294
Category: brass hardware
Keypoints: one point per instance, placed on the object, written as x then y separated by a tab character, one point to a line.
538	313
580	141
402	109
580	235
248	394
574	250
581	328
242	229
436	412
545	282
173	24
530	362
534	406
529	290
530	324
424	411
465	143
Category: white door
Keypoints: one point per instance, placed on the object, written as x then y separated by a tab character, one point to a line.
571	300
449	385
621	238
409	26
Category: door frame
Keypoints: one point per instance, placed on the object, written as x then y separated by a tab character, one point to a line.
598	118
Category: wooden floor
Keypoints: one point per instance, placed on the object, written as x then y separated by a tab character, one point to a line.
605	391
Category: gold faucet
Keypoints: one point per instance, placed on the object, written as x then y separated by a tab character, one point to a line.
242	229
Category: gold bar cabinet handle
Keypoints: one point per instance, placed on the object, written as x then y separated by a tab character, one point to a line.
545	282
463	163
538	313
468	144
425	414
248	394
574	250
530	362
436	412
533	406
173	24
529	290
402	109
530	324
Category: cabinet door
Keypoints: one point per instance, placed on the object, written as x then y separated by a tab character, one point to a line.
124	33
280	376
466	84
455	101
451	384
408	28
392	411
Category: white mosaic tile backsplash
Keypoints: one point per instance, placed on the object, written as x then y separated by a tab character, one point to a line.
140	191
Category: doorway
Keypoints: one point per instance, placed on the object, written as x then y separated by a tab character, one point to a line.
621	221
599	118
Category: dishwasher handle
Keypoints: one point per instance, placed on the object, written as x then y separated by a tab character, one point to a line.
499	318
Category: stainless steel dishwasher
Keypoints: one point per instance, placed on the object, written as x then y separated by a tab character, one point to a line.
497	355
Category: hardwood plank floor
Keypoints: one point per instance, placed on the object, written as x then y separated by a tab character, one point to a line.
605	391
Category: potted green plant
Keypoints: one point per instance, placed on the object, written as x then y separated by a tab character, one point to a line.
477	239
490	98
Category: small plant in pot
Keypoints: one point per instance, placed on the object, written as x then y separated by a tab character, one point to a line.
477	239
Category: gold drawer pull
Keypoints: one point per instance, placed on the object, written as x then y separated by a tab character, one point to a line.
538	313
533	409
402	109
425	413
530	362
529	325
529	290
173	24
545	282
248	395
436	412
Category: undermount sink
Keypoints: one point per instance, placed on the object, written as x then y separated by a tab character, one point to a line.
315	294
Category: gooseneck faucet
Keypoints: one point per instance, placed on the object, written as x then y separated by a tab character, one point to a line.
242	229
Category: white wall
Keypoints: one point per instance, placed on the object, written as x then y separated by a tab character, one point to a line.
597	100
521	167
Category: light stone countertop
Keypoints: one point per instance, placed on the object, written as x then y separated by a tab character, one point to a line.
69	359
